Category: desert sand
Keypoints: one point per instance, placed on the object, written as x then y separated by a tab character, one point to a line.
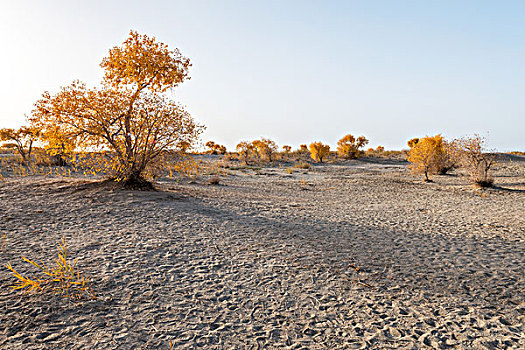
360	255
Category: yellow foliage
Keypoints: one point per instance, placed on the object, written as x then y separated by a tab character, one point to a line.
412	142
427	155
63	279
214	148
348	146
318	151
128	116
22	140
245	149
265	148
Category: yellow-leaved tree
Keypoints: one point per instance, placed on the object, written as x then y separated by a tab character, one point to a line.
215	148
21	139
427	155
245	149
131	115
318	151
265	148
349	146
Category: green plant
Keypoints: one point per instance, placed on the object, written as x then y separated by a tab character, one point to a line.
64	279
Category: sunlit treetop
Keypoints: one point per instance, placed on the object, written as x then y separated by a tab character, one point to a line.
142	62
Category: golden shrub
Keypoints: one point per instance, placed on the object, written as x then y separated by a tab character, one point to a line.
427	155
349	146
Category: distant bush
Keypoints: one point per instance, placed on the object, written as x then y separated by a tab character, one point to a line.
265	148
349	147
478	164
215	148
318	151
517	153
427	155
378	152
302	165
245	150
21	139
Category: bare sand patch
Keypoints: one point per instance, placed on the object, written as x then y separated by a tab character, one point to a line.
362	255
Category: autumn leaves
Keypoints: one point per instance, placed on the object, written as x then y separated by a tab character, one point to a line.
129	116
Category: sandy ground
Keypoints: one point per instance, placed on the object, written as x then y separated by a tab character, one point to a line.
362	255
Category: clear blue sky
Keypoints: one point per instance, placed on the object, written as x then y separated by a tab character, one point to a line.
294	71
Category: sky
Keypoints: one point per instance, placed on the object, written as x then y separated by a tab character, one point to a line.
293	71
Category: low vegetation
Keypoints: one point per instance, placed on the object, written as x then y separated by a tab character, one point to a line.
215	148
426	155
435	155
478	163
64	279
350	147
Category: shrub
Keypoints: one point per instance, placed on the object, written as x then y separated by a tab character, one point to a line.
348	146
318	151
214	148
64	279
470	154
427	155
245	150
265	148
214	181
302	165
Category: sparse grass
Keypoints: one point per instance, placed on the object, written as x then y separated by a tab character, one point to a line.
304	186
289	171
64	279
302	165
